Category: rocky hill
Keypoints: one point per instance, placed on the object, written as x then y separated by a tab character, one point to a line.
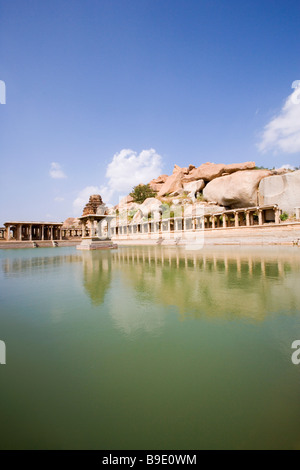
216	187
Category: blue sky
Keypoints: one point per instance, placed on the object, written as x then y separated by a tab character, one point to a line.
174	81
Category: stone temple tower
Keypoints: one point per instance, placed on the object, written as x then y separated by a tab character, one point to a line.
94	203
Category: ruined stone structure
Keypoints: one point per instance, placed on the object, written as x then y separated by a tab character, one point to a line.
95	225
68	233
30	231
195	223
94	203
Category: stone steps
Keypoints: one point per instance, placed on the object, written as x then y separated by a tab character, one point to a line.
38	244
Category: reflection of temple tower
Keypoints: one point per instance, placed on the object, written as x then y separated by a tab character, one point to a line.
96	275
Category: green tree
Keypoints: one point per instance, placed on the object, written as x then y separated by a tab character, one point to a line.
141	192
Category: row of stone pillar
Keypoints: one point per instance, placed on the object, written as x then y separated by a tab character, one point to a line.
193	223
33	232
66	233
94	228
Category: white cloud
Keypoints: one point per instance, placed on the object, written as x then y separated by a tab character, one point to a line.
56	171
283	131
59	199
127	169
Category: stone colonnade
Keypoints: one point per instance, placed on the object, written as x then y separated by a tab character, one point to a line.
71	233
197	222
30	231
98	226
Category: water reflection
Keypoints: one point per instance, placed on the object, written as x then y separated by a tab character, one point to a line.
219	282
18	264
97	274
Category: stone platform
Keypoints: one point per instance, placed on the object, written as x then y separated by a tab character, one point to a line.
94	243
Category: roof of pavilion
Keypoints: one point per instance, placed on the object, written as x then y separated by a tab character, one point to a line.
16	222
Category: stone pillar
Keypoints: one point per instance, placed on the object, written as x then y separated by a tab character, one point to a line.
99	228
19	232
236	219
213	222
260	217
51	232
277	215
92	228
224	221
248	218
8	232
42	232
108	228
83	229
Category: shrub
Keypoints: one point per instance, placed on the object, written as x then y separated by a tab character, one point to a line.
141	192
284	216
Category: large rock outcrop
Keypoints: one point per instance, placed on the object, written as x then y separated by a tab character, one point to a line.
193	188
157	183
237	190
173	183
150	206
71	222
124	201
209	171
283	190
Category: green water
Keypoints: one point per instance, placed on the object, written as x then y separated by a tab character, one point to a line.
150	347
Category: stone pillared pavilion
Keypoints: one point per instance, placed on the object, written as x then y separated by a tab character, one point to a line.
96	226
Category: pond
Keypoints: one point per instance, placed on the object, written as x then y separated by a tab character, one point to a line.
150	348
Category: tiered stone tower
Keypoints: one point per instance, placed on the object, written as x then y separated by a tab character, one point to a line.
91	207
